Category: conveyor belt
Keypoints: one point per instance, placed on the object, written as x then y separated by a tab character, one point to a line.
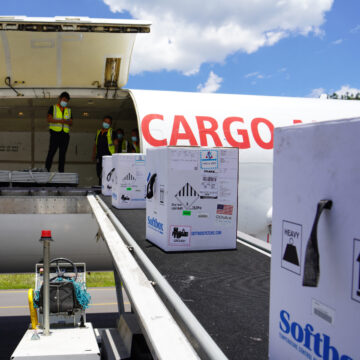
228	291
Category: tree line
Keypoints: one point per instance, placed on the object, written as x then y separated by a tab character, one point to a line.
346	96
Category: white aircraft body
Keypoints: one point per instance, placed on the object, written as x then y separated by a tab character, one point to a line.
90	58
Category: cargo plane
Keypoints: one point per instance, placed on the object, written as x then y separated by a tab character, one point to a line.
91	58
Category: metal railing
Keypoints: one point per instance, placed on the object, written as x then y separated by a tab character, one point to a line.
164	337
205	345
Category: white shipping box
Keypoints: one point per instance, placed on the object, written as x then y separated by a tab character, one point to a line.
129	181
316	162
107	173
194	202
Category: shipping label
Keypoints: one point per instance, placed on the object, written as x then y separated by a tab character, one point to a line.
179	235
186	196
224	214
209	159
209	186
181	160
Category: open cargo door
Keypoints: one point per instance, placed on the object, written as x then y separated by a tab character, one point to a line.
66	52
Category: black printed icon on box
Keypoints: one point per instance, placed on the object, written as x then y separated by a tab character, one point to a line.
291	248
355	293
162	194
179	235
129	177
187	195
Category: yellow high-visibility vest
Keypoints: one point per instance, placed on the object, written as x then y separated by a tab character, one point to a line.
124	146
60	115
109	139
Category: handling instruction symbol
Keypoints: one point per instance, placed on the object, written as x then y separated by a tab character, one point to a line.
291	248
290	254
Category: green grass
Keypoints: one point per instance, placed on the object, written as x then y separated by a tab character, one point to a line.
27	281
100	279
17	281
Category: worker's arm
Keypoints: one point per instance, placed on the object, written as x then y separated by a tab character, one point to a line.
69	122
116	144
52	121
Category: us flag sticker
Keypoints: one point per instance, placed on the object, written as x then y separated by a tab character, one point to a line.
224	209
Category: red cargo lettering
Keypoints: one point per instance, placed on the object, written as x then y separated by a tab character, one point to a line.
145	128
255	131
187	135
297	122
208	131
245	144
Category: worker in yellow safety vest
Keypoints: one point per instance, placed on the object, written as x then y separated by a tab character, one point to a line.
121	144
104	144
134	146
60	120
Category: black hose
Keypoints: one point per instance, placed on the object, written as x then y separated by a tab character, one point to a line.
8	83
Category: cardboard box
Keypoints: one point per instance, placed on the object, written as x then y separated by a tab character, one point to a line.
194	203
316	162
106	177
129	181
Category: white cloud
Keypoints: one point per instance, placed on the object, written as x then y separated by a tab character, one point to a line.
185	34
337	42
212	84
252	74
355	29
257	75
316	93
346	89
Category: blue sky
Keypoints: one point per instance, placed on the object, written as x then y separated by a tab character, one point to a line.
196	46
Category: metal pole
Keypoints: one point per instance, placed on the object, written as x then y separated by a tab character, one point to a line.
46	288
206	344
46	238
119	294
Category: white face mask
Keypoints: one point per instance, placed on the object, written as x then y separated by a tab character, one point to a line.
63	103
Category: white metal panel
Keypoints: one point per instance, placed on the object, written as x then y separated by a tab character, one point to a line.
164	106
79	149
68	343
65	51
15	146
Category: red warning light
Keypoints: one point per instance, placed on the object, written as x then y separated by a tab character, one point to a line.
46	233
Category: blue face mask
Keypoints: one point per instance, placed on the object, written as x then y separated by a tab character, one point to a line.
106	125
120	136
63	103
134	138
